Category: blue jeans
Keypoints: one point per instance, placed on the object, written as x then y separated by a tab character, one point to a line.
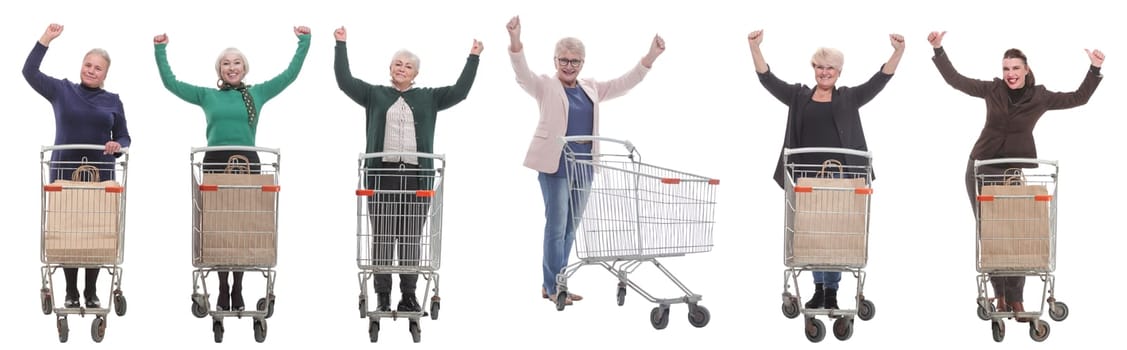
562	211
828	279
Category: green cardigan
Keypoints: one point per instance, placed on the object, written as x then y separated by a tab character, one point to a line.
224	110
425	103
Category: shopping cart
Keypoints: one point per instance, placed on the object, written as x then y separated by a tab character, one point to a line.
83	226
234	228
827	229
629	213
1016	237
399	230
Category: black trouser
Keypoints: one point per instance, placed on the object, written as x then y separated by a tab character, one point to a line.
71	275
218	162
397	221
1009	287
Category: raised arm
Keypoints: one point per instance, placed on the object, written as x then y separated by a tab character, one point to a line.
620	86
897	52
42	83
450	95
187	92
973	87
354	88
274	86
1063	100
865	92
526	79
775	86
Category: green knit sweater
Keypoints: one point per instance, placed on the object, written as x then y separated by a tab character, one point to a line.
225	112
425	103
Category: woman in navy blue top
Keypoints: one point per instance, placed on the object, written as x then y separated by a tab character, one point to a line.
84	114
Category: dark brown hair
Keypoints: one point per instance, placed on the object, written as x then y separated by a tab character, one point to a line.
1015	53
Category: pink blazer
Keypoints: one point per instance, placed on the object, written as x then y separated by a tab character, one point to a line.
544	150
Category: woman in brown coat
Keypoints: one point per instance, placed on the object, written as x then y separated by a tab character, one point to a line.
1014	103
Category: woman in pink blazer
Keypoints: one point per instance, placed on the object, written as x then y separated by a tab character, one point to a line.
568	106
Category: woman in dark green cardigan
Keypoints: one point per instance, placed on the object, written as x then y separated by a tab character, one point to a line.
400	118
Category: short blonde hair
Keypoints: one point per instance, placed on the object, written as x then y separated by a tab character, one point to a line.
231	50
410	56
570	44
828	56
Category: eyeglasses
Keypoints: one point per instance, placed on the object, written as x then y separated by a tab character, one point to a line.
573	62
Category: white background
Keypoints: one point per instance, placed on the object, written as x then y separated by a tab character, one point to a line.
700	109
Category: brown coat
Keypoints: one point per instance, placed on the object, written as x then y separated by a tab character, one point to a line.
1009	127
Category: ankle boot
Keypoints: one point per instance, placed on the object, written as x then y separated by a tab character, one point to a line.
1016	306
383	302
831	298
1002	306
819	298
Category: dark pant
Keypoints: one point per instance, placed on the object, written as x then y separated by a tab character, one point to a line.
1009	287
219	162
397	221
91	290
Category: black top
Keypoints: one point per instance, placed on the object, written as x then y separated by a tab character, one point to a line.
818	130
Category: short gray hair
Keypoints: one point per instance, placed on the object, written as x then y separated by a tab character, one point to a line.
570	44
231	50
828	56
410	56
100	52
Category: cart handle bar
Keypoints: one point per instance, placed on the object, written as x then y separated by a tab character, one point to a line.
59	188
265	188
81	147
418	193
403	154
848	151
235	148
1014	160
566	139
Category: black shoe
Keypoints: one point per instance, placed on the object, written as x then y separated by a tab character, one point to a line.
409	303
383	302
819	298
237	302
831	299
72	303
224	302
92	302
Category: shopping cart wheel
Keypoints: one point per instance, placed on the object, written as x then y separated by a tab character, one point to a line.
434	310
263	305
373	329
363	307
259	330
621	293
998	328
659	317
1058	311
198	310
119	305
866	310
1039	330
815	330
984	313
843	328
47	301
790	308
416	332
64	330
698	315
561	300
217	328
98	329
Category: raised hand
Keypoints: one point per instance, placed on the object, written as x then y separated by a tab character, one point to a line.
340	34
897	41
656	48
1096	56
755	38
160	39
936	39
514	27
301	30
53	31
477	47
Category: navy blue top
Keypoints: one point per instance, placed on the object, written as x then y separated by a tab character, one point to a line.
580	122
83	115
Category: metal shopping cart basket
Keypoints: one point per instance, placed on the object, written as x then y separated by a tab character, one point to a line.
1016	237
83	226
827	229
399	229
234	228
629	213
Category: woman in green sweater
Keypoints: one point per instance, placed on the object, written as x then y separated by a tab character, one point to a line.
231	110
400	118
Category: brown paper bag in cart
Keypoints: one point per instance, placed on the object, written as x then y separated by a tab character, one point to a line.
82	220
237	225
1014	232
829	225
